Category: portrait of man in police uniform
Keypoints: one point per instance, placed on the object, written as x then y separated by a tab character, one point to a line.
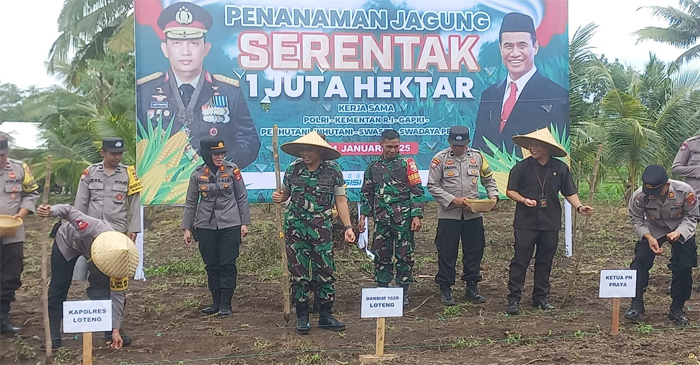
187	97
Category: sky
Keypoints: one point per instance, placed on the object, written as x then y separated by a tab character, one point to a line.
617	19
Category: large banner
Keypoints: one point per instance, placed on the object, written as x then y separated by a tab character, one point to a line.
348	69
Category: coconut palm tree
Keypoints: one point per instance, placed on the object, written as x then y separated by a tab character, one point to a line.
683	29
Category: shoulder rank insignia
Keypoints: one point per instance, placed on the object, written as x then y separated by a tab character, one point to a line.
226	80
148	78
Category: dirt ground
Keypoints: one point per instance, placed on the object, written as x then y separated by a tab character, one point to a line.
163	312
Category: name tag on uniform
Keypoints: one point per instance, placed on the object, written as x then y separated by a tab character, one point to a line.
159	105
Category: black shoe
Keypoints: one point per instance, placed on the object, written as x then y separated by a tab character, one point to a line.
677	316
216	302
7	328
225	307
303	327
543	304
446	295
326	319
513	307
636	309
126	338
471	294
405	296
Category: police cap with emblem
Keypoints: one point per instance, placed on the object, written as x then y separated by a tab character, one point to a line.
184	21
4	148
517	22
113	144
212	145
654	179
459	135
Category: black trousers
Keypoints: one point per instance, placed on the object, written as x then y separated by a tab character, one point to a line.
525	242
449	232
61	278
684	257
220	249
11	267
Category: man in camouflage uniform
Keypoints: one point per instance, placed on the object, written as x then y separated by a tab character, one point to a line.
453	177
312	183
392	195
18	195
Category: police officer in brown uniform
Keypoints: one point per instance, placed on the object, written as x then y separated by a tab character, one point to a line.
217	209
453	177
18	195
687	162
664	210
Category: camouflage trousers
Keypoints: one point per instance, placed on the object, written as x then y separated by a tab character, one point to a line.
305	255
389	241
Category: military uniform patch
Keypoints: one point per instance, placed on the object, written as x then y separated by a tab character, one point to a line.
638	201
412	172
691	198
684	146
237	174
134	183
434	163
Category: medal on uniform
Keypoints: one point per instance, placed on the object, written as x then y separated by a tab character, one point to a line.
185	114
213	131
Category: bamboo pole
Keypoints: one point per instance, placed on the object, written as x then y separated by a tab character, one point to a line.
578	254
44	270
278	215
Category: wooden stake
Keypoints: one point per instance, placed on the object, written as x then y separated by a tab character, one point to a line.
578	253
278	215
616	316
44	270
379	354
87	348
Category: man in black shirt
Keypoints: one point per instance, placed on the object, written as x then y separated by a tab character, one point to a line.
534	184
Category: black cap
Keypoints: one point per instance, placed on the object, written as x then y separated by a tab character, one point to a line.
212	145
459	135
517	22
654	178
184	21
4	148
113	144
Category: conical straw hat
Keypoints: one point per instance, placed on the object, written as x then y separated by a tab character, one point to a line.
543	135
115	254
311	139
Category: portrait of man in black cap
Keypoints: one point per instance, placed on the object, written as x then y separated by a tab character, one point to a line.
189	97
525	100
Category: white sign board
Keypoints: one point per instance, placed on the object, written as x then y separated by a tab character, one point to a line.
618	283
87	316
382	302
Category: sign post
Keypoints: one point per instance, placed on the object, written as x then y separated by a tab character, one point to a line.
381	303
86	317
617	284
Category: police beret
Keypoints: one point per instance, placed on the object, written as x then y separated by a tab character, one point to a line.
212	145
517	22
459	135
654	178
184	21
113	144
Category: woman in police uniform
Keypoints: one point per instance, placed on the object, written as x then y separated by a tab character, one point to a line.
217	209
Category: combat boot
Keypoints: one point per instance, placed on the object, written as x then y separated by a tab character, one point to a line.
405	295
303	326
6	327
216	302
636	309
676	314
471	293
225	306
446	295
326	319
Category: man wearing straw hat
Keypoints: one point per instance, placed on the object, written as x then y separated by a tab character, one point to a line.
113	254
217	208
535	183
18	195
664	211
312	183
393	195
453	178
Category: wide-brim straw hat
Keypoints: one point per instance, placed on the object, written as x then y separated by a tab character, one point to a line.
115	254
542	135
480	205
311	139
9	225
